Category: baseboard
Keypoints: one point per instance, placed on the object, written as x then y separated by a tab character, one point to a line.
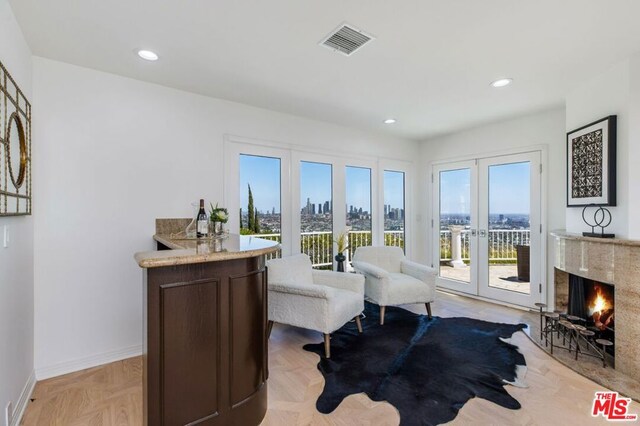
25	396
87	362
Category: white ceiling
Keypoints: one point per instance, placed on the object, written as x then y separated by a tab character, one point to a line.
429	67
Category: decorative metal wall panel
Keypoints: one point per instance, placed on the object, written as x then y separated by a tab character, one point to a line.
15	148
591	164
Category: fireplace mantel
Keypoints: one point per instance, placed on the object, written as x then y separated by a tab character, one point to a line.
601	259
611	261
615	241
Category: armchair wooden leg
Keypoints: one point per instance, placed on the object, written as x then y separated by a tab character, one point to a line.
428	305
269	327
327	346
382	315
358	323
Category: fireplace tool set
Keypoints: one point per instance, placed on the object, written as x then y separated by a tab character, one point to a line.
576	337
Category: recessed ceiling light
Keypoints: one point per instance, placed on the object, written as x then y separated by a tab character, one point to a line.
148	55
390	121
502	82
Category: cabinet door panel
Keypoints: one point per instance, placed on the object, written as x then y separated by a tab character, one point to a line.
189	324
248	344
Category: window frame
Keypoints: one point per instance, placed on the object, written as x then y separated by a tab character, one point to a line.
291	156
232	185
407	168
404	206
298	157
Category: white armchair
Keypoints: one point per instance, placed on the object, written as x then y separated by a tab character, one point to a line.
317	300
391	279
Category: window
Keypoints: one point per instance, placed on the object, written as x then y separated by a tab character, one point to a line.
394	208
260	199
358	197
455	221
509	226
316	213
297	197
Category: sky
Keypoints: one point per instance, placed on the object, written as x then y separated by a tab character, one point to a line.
263	173
315	183
394	189
455	191
509	190
358	188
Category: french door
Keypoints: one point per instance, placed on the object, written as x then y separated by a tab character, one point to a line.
487	227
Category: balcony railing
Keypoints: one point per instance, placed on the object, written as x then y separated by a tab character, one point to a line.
319	245
502	243
272	237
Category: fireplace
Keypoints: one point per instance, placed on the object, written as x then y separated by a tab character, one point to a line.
615	262
594	302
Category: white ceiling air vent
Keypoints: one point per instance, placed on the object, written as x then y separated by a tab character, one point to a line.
346	39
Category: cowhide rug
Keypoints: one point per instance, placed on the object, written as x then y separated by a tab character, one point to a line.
427	369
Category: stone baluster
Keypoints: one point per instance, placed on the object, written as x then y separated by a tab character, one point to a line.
456	246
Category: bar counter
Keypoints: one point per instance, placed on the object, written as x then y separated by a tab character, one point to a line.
205	318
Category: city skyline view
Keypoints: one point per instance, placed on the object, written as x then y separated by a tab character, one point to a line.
316	202
263	174
316	183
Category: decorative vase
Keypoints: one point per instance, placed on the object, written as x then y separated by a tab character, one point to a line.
340	258
216	228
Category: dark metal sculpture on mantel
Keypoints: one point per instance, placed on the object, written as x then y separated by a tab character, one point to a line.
601	219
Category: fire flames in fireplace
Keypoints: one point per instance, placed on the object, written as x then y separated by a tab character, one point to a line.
601	308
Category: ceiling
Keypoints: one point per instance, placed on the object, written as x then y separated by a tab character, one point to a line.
429	67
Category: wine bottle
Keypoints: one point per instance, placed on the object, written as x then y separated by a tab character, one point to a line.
202	222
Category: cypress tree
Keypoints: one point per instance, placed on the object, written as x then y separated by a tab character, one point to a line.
250	218
240	217
256	222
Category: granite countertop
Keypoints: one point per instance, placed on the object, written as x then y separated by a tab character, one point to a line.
571	236
200	251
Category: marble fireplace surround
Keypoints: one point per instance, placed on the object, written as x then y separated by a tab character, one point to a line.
610	261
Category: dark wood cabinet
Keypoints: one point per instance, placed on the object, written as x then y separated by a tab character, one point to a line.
205	348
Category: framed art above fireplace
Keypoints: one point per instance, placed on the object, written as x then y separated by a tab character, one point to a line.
591	164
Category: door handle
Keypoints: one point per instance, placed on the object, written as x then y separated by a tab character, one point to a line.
473	232
483	233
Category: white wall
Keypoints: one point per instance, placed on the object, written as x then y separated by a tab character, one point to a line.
614	92
16	261
633	149
115	154
605	94
544	128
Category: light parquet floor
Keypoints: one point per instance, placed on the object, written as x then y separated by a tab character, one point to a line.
112	394
107	395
